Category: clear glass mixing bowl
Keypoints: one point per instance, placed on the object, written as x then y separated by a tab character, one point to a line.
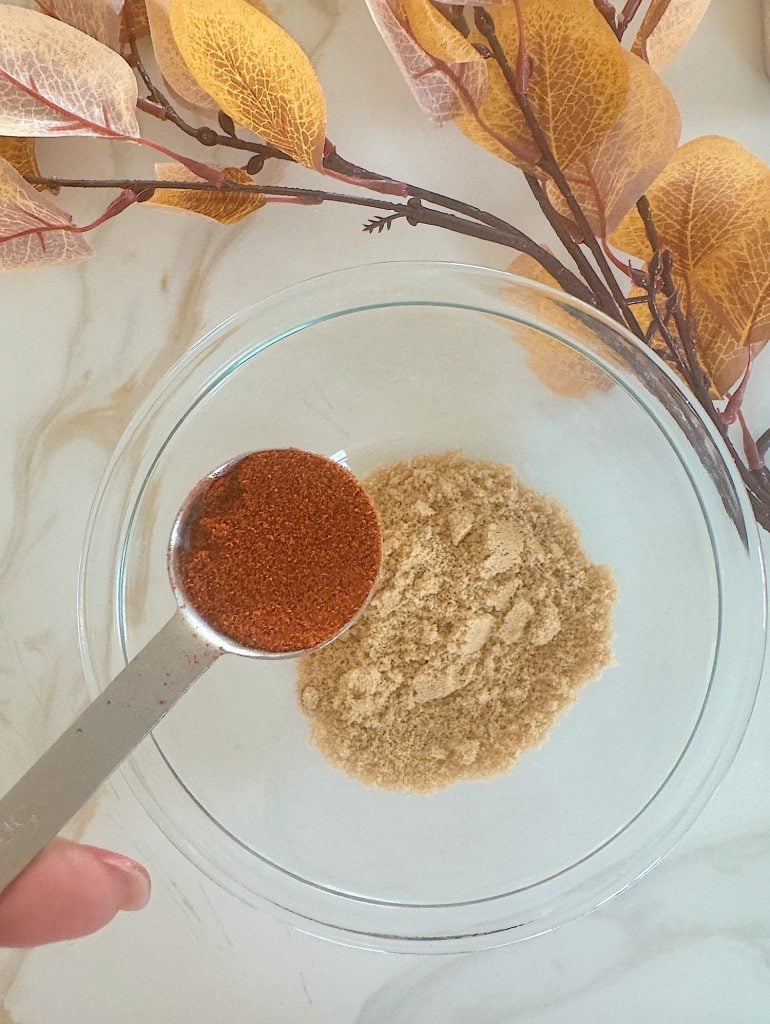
386	361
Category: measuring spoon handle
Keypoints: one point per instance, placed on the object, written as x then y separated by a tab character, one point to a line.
72	769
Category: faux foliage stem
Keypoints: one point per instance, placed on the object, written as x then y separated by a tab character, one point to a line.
485	24
413	213
697	379
209	137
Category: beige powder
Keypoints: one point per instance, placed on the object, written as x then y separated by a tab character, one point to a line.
488	620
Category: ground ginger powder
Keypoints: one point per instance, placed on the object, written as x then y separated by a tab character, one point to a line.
488	620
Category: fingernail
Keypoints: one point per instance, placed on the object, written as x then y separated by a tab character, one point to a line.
135	877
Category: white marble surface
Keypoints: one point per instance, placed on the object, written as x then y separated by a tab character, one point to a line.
80	349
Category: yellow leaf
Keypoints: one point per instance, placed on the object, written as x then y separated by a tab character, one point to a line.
565	372
577	87
170	60
608	180
711	207
224	207
20	153
711	193
666	27
255	72
436	35
719	351
34	231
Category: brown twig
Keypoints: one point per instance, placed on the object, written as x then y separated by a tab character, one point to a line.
698	381
658	323
763	443
662	264
565	278
626	16
412	211
592	279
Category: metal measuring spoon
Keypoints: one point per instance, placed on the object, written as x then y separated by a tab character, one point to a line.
55	788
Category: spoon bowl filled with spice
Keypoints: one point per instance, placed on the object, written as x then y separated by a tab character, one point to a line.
553	667
275	554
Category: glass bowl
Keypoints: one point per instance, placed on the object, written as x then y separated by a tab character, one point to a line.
383	362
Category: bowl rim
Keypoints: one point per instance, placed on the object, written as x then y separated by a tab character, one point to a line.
388	939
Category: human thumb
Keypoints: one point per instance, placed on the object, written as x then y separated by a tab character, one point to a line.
70	890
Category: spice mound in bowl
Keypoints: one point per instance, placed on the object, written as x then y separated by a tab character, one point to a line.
488	620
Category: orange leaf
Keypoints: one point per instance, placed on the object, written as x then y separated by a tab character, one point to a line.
255	72
224	207
736	281
729	298
55	80
666	27
20	153
577	87
723	355
609	179
170	60
443	86
711	207
34	231
565	372
712	192
100	19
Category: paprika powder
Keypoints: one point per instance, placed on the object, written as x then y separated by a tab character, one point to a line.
282	551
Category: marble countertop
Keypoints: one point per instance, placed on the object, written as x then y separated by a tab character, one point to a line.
81	347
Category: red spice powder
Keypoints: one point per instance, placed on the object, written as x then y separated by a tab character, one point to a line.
282	552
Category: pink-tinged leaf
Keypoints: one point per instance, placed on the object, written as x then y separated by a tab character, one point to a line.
666	27
34	231
443	89
100	19
55	80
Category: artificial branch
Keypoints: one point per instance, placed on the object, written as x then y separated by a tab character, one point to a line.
604	299
662	262
486	26
626	16
618	20
413	211
752	471
608	12
333	162
565	278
